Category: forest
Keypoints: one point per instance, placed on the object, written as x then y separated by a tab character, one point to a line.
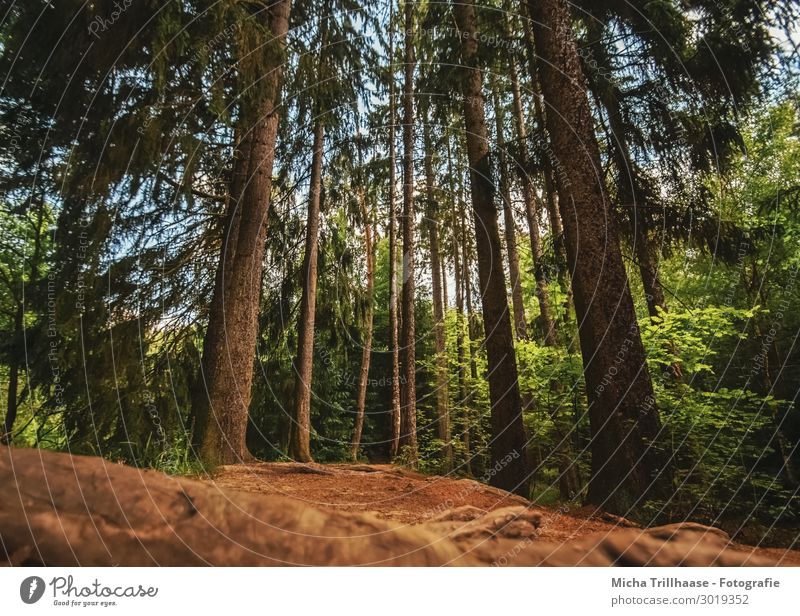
549	246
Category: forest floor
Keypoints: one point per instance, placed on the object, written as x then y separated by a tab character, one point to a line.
67	510
407	497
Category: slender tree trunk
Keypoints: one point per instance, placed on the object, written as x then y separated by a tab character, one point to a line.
394	332
551	192
228	354
628	195
460	355
568	476
510	227
366	350
466	277
300	439
622	412
548	325
442	396
520	322
13	378
408	417
445	299
648	269
463	396
508	434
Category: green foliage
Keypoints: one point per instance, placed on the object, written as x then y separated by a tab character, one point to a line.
720	438
718	470
690	338
174	457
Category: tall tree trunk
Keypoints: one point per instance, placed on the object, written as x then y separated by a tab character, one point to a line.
408	416
215	332
13	377
442	396
648	269
520	322
510	228
622	412
228	352
460	355
466	279
547	323
394	332
628	196
568	476
551	192
300	439
463	395
508	434
366	350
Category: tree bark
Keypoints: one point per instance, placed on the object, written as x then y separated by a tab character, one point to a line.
623	416
300	432
508	434
366	350
551	194
442	396
215	332
228	352
408	399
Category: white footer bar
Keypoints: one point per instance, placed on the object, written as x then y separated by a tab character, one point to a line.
396	591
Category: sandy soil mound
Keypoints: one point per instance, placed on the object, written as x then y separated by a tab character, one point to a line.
66	510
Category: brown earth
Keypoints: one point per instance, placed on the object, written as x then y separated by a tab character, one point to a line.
400	495
59	509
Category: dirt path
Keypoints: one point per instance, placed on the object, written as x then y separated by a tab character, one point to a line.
408	497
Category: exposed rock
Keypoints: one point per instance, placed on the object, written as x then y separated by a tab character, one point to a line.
464	513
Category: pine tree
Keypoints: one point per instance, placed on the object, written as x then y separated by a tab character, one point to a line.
394	330
622	413
408	397
510	227
508	437
231	336
442	403
369	255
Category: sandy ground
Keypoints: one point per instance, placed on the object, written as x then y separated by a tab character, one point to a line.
408	497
